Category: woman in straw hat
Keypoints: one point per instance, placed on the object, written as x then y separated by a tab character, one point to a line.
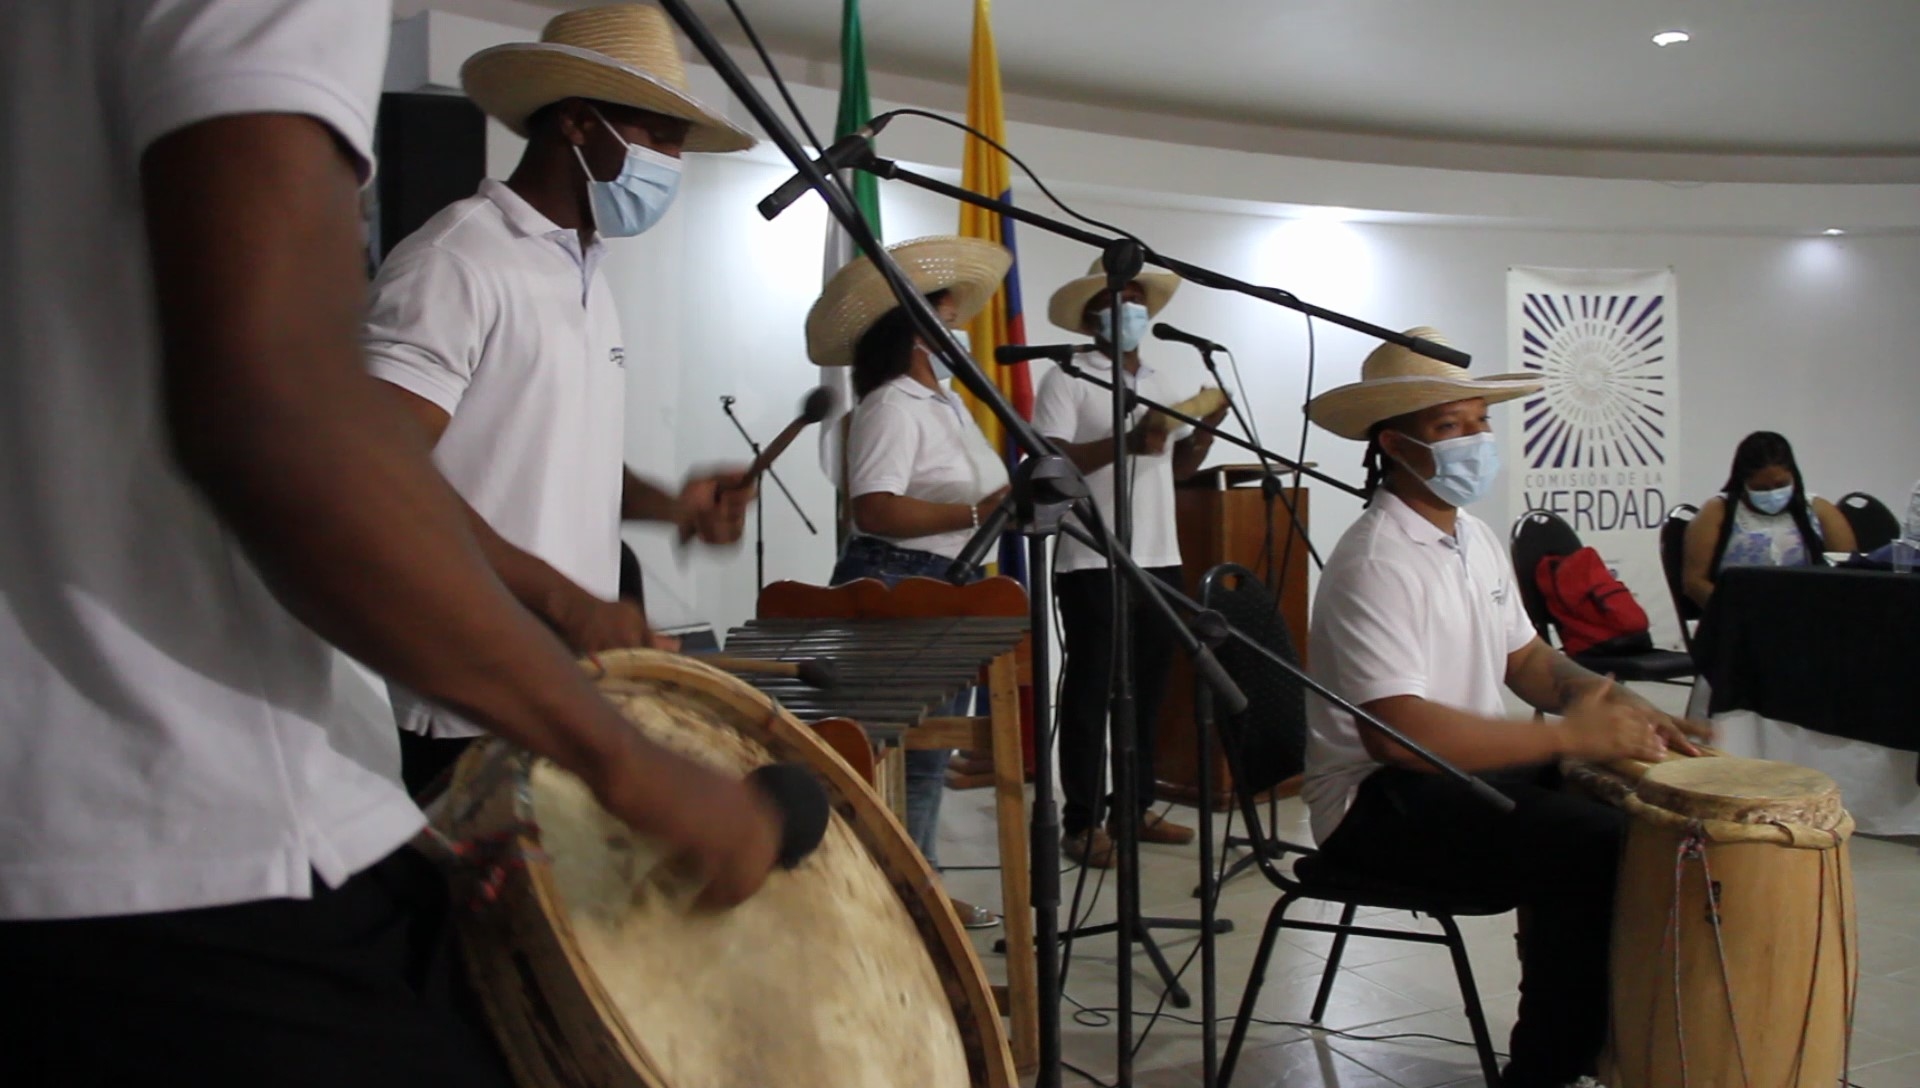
1418	620
494	327
920	475
1078	416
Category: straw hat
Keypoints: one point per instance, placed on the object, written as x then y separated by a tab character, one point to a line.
622	53
968	269
1069	304
1395	381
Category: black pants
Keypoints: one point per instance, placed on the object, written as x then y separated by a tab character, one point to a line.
424	759
356	986
1556	853
1086	615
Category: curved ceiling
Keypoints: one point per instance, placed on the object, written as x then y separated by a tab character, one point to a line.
1830	79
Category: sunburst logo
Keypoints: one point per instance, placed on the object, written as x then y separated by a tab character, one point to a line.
1606	401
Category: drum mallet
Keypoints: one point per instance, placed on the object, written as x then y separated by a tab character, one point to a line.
815	672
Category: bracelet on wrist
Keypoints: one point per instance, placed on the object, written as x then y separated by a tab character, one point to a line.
973	513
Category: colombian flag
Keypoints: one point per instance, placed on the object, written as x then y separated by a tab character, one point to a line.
985	171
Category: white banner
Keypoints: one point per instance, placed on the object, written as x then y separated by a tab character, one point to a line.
1598	445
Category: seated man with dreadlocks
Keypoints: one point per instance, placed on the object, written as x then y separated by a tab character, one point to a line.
1418	621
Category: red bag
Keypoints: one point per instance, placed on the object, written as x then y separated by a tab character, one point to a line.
1595	611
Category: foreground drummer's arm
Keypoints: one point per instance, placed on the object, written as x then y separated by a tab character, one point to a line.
1550	681
253	226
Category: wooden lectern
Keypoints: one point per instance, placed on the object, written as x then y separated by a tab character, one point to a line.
1223	519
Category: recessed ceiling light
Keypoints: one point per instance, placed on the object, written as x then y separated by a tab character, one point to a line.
1671	37
1832	232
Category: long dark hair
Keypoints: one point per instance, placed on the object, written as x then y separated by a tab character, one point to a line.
885	351
1765	449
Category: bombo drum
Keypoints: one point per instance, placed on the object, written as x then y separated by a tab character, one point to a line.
851	970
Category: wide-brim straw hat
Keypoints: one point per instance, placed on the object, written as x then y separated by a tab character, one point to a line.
968	269
621	53
1396	380
1068	306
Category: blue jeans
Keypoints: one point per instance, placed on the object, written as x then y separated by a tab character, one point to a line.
867	557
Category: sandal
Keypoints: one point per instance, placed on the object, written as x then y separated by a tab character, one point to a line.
973	917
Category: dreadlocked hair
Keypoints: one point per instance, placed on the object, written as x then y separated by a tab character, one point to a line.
1375	460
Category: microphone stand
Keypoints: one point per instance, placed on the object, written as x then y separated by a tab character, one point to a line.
759	501
929	326
1205	277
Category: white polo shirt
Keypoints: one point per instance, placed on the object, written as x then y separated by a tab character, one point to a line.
493	313
1070	410
907	439
169	737
1404	609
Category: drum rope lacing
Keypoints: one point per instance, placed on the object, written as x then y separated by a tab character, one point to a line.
1693	847
489	858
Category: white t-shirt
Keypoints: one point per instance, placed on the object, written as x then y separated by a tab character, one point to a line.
167	729
1068	409
1404	609
907	439
493	313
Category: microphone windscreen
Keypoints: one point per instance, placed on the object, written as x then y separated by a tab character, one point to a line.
803	806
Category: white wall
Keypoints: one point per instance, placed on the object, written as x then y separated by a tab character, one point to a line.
1780	329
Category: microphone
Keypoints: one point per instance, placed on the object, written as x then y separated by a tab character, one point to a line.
1020	353
803	807
983	539
845	151
1164	331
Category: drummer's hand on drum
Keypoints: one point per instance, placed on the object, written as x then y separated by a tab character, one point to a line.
589	625
1678	733
1601	728
722	833
737	845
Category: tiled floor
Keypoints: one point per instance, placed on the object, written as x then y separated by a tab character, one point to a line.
1385	987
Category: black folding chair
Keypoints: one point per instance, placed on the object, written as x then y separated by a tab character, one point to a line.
1673	546
1263	742
1874	526
1538	534
1270	736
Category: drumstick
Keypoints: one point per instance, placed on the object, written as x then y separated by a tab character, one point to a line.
816	672
813	409
816	407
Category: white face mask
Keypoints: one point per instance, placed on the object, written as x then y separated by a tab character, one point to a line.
634	201
1464	468
940	370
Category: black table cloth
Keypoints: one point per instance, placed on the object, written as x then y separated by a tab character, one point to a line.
1835	651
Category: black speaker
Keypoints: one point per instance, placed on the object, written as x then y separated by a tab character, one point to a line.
433	151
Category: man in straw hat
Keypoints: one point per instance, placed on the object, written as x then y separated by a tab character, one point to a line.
197	884
920	475
494	327
1078	416
1418	620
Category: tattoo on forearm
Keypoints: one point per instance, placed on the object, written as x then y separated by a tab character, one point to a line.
1569	678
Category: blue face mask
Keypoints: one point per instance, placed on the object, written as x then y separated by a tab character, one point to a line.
634	201
1464	468
1770	502
1133	325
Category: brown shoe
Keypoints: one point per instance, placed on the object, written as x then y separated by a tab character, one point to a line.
1158	829
1091	848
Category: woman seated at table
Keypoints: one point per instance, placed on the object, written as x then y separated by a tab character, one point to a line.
920	474
1763	517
